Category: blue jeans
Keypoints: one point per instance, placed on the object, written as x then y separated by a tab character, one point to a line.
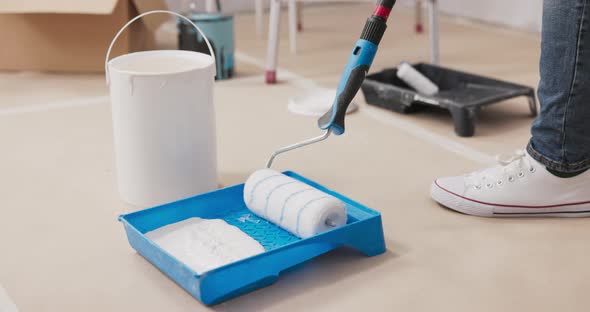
561	133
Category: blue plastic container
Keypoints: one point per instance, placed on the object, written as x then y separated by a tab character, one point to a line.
363	231
219	29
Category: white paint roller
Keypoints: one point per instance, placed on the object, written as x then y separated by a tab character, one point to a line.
291	204
415	79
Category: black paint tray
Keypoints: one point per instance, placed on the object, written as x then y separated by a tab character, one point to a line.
462	94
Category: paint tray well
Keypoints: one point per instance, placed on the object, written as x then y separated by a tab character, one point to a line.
363	231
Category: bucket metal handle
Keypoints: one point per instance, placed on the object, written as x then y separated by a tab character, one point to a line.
106	61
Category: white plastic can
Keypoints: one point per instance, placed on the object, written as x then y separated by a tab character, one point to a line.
163	123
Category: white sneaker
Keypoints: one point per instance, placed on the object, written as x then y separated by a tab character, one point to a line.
519	186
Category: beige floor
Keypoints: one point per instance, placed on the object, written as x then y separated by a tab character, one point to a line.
61	248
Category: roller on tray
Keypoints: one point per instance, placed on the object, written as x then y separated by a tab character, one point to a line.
286	218
271	195
302	210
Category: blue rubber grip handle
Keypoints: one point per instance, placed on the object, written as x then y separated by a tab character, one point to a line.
354	73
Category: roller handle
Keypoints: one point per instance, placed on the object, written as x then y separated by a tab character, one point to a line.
357	67
334	119
387	3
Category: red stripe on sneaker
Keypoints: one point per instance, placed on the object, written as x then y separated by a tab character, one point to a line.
508	206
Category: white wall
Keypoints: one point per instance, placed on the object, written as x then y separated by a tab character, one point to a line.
521	14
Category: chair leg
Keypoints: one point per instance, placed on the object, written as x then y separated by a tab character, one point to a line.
210	6
434	41
299	16
273	41
293	26
419	26
259	18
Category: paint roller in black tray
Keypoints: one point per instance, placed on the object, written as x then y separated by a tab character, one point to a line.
416	79
293	205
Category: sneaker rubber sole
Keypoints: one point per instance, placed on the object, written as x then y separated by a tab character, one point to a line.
474	207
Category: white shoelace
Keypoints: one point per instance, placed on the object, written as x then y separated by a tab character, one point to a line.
511	167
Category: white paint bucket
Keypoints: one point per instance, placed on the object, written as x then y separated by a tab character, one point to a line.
163	122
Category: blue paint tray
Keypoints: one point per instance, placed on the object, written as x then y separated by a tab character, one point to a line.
363	231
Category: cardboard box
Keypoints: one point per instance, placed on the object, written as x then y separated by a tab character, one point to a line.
72	35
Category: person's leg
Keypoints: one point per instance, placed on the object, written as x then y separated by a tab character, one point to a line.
561	133
551	177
